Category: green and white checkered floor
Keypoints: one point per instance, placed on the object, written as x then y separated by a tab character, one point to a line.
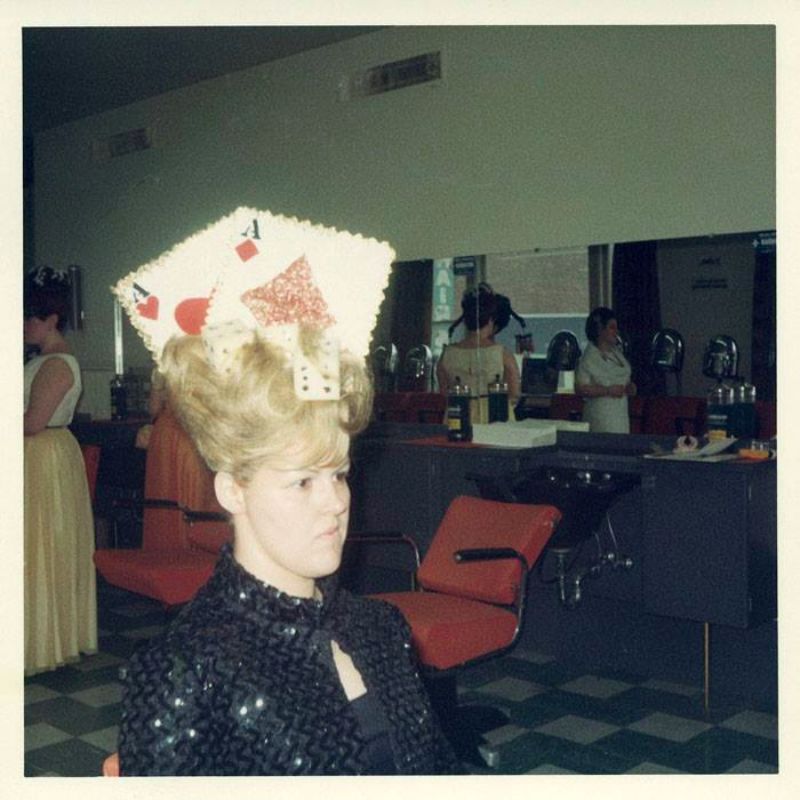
560	720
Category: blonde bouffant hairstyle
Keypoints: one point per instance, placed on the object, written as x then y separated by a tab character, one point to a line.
250	416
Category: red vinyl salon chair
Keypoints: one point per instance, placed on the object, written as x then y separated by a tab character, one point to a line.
182	524
473	583
159	569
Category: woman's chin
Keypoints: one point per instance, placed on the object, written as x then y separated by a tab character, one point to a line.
324	564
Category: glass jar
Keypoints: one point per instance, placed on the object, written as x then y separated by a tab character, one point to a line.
498	400
718	408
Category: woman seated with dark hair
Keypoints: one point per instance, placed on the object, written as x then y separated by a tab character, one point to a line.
272	669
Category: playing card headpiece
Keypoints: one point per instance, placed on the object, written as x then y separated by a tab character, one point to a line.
253	271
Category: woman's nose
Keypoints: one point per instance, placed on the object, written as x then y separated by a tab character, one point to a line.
335	496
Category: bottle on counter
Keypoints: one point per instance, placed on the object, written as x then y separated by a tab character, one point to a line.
718	409
459	426
498	400
119	398
742	420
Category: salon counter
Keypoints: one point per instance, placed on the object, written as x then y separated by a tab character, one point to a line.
703	536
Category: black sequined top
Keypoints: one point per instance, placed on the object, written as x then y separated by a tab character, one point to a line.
243	683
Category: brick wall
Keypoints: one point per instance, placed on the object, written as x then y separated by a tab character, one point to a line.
546	282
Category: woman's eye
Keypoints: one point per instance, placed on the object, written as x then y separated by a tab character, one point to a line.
342	475
303	483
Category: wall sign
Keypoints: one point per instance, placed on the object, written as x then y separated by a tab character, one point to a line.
444	289
465	265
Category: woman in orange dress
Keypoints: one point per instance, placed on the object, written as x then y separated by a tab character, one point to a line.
175	471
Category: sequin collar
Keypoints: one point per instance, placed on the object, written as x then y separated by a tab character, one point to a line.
234	584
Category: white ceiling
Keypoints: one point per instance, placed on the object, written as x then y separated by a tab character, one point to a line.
69	73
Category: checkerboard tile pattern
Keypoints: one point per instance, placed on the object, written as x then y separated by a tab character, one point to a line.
72	714
559	720
605	722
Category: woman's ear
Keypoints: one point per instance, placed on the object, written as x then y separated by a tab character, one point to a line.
229	493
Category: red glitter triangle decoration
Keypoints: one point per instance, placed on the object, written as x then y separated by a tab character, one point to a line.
290	297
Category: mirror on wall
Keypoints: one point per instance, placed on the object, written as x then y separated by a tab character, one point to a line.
700	287
707	285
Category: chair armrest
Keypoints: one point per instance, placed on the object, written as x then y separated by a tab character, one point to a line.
204	534
191	516
146	502
157	502
489	554
494	554
136	506
390	538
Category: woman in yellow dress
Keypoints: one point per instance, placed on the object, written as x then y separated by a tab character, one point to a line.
60	599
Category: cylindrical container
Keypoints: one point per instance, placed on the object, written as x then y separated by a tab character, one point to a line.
119	398
742	420
718	407
498	401
459	427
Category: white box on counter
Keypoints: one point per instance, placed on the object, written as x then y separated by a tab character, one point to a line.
524	433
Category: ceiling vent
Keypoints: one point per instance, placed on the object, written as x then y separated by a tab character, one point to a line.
121	144
398	75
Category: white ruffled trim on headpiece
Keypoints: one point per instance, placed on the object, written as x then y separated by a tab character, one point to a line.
253	271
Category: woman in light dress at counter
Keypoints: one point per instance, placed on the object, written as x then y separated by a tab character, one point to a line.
477	359
603	377
60	601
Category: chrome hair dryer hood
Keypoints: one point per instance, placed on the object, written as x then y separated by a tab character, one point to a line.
417	369
721	359
385	361
667	351
563	351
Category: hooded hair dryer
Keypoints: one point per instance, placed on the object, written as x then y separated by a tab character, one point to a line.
563	353
721	359
666	354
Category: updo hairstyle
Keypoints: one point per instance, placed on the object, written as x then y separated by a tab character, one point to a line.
479	306
250	416
47	292
596	321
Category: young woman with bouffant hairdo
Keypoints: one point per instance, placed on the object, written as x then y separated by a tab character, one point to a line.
252	415
273	669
